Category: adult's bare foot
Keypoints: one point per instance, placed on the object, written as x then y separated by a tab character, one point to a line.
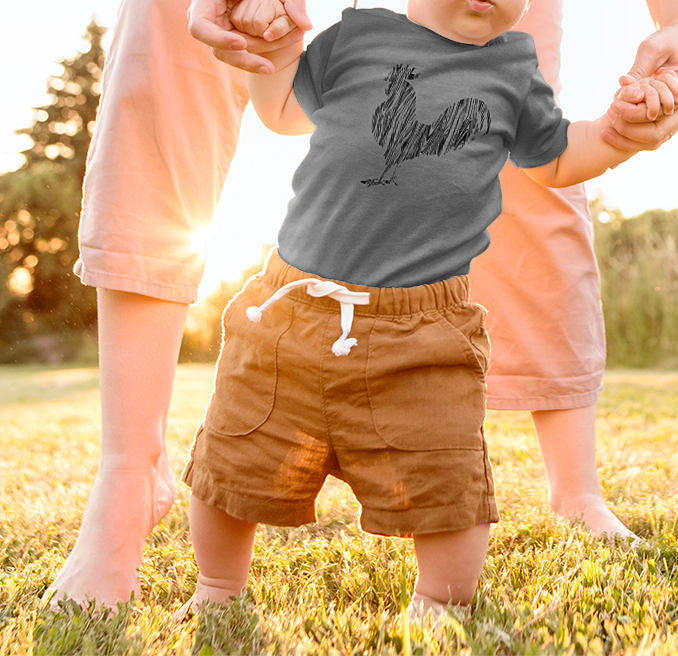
124	507
568	444
591	513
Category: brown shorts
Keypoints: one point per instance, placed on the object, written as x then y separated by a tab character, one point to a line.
400	418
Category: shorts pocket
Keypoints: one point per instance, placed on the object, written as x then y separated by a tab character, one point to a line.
426	379
469	320
247	370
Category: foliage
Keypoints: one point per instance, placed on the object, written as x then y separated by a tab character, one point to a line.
638	259
39	215
46	315
329	589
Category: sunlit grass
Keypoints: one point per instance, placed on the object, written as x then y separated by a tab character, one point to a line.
330	589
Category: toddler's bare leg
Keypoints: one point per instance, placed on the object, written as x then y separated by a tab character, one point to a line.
139	339
450	564
568	445
223	551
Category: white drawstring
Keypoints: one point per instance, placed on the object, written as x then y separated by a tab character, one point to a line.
319	288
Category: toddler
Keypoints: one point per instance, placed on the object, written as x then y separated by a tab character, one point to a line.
356	351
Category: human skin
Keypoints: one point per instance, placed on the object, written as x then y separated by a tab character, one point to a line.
566	437
106	557
222	543
587	154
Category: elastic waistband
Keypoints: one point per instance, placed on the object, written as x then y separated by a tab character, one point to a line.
384	301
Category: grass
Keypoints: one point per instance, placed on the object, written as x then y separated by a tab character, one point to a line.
330	589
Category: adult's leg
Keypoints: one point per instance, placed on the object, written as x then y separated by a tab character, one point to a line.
166	133
139	340
449	565
540	283
568	445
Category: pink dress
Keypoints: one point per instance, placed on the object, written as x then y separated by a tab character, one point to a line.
539	277
166	134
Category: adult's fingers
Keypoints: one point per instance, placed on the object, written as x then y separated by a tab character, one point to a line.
656	51
216	37
649	57
255	44
641	136
622	143
296	10
247	61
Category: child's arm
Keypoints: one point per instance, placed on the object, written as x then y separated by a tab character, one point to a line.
587	155
273	95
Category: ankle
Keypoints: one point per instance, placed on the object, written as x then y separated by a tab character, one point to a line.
216	590
573	507
422	606
153	461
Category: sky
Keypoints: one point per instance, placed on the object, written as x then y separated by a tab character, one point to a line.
605	33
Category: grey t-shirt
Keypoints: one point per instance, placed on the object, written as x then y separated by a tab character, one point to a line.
411	131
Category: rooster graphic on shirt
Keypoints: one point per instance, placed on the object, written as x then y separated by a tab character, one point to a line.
397	130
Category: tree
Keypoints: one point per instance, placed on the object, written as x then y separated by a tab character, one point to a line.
638	260
40	211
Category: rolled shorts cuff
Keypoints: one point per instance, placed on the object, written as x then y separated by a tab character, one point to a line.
517	393
140	275
244	507
406	523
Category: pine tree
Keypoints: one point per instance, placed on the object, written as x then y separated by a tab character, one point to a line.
40	210
62	130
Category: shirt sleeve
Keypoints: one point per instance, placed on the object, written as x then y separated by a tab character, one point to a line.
542	131
310	76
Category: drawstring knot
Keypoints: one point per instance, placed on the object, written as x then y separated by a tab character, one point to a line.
319	288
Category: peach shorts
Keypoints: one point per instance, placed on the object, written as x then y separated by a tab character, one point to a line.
166	133
400	418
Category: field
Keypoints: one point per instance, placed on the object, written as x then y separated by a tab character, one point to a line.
329	589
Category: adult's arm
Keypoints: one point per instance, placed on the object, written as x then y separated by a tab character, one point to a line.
658	51
209	22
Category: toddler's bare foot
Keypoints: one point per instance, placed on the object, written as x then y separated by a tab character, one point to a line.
421	606
206	590
124	507
594	516
425	609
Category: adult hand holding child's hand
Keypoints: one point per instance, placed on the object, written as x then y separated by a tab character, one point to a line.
210	21
641	113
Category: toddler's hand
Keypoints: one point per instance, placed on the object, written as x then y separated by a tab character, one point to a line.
264	18
654	97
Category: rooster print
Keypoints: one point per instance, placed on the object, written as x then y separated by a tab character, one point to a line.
397	130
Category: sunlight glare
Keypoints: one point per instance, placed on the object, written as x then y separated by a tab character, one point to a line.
200	240
228	252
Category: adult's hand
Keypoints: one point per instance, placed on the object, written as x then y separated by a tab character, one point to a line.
632	131
209	22
636	136
657	52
